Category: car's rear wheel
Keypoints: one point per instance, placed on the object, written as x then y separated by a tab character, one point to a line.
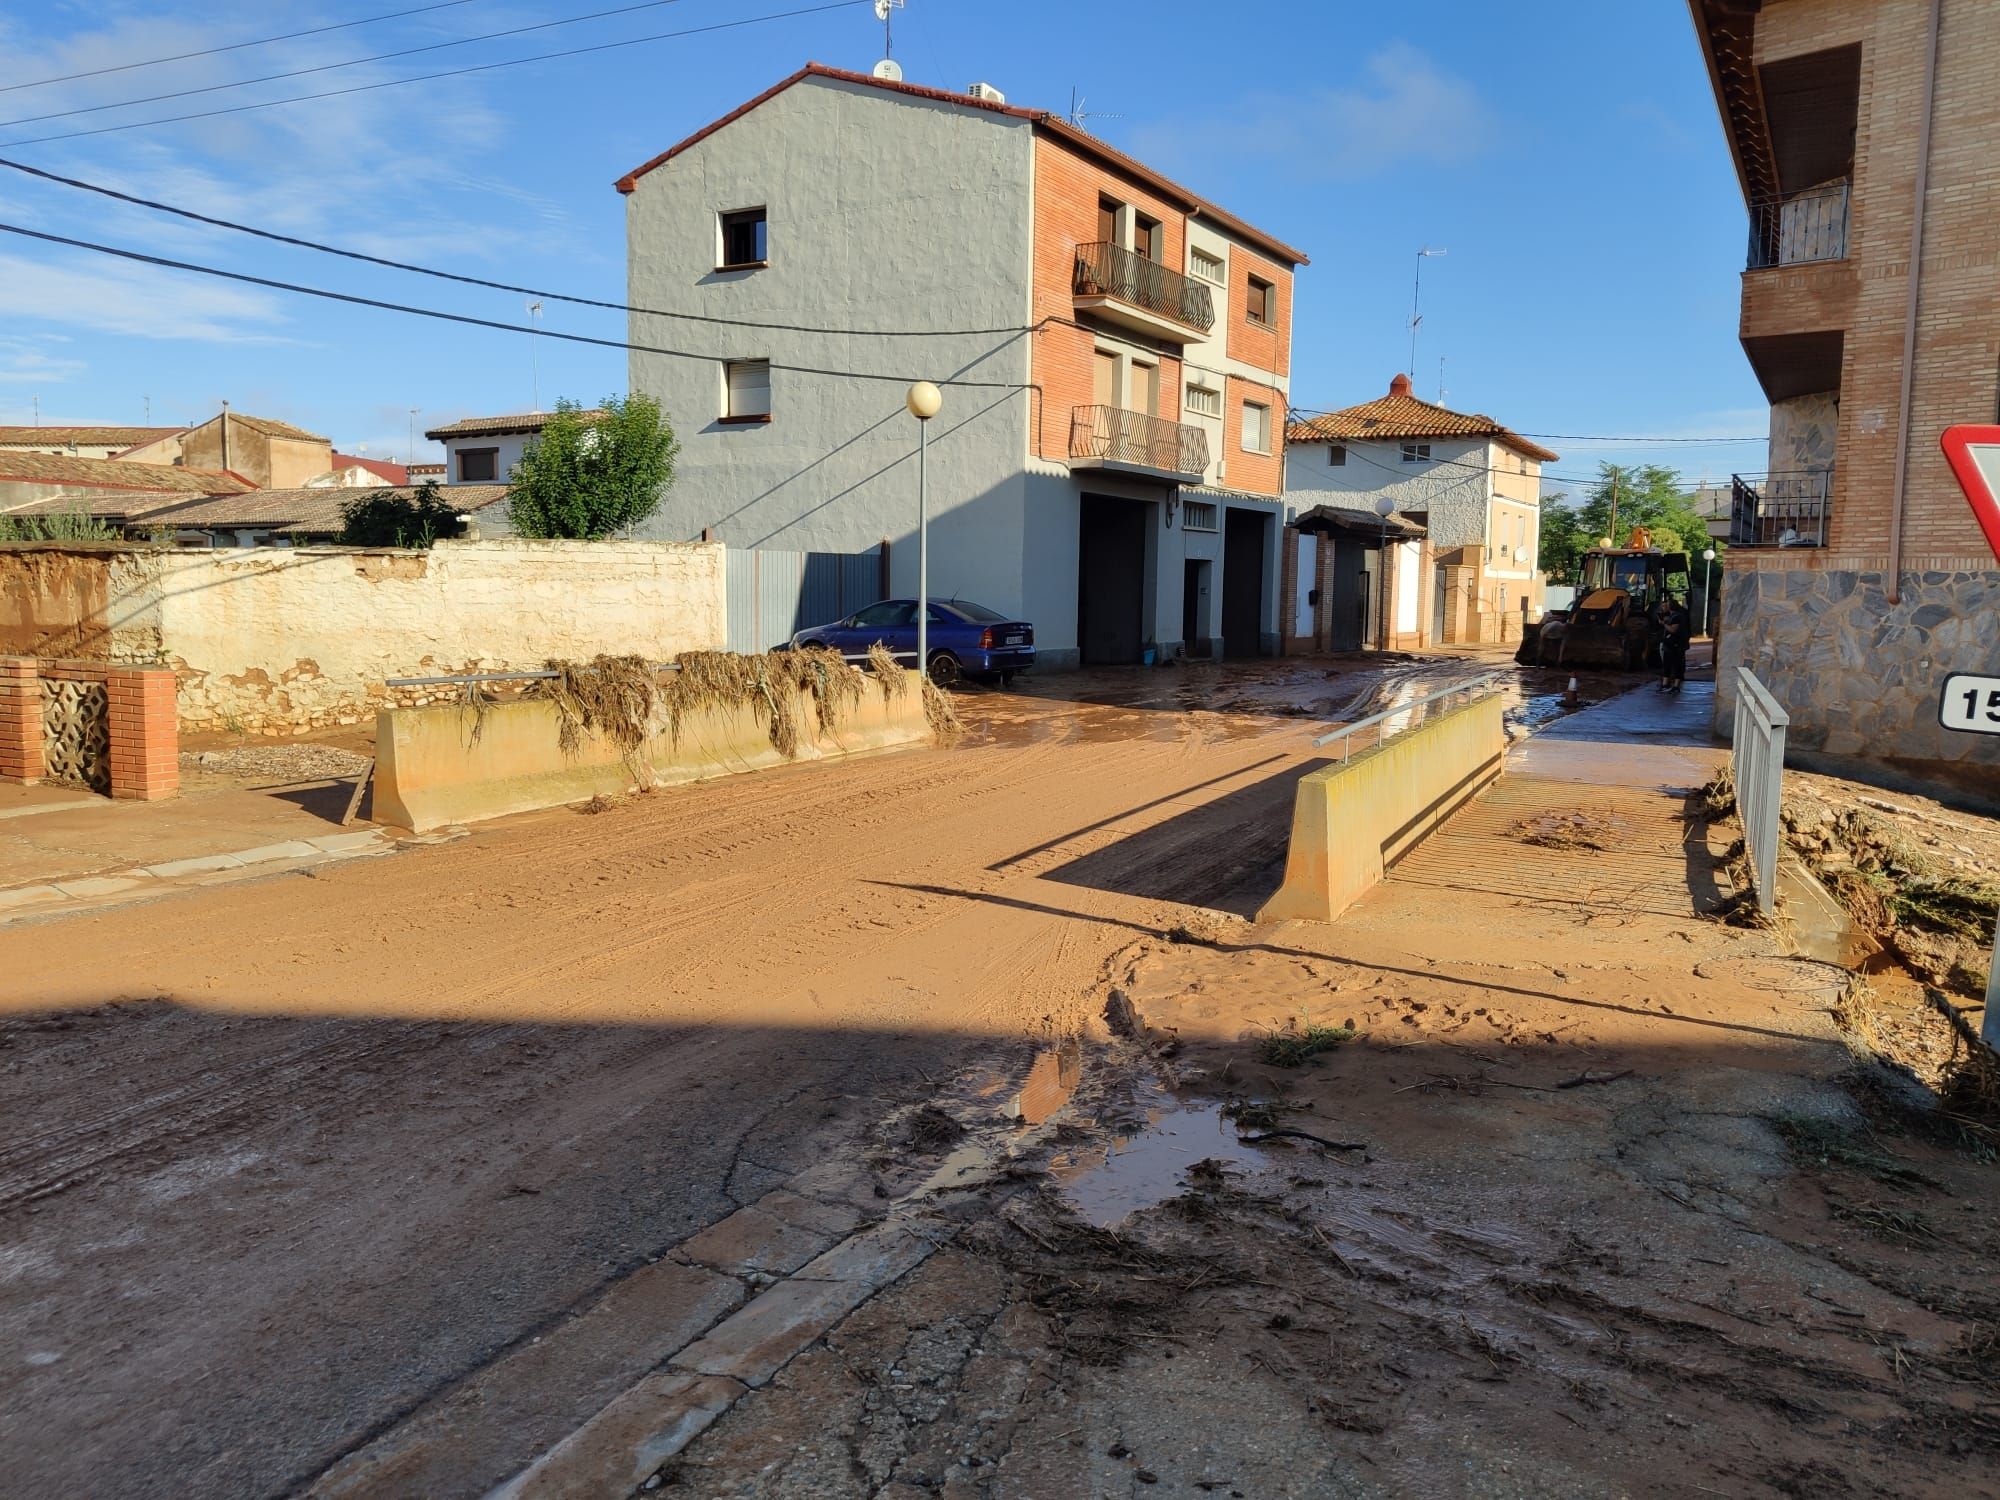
945	670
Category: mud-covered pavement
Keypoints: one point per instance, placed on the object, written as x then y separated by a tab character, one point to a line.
289	1157
383	1180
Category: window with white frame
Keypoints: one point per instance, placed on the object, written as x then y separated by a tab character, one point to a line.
746	390
1336	456
1256	427
1207	267
1416	453
1203	400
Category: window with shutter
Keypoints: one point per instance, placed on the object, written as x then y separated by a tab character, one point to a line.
747	390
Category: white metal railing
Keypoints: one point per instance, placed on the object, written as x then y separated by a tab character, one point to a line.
1345	734
1757	761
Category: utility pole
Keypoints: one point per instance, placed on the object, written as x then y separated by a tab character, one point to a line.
534	361
1416	296
1613	538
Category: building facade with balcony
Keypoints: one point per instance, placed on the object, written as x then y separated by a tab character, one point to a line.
1469	486
1866	139
1114	353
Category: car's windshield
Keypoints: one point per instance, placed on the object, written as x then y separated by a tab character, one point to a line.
979	614
1628	573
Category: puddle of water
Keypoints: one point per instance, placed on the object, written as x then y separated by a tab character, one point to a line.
1150	1165
1049	1084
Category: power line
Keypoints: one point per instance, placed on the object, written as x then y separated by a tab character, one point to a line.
262	41
389	83
352	62
497	286
1584	437
465	318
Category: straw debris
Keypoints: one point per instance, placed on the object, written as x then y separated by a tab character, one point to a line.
628	701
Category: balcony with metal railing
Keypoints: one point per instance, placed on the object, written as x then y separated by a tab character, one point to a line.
1804	229
1135	442
1123	287
1780	510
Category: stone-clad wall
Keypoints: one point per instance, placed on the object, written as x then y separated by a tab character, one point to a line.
1858	675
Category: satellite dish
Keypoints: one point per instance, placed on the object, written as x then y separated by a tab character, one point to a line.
888	68
882	9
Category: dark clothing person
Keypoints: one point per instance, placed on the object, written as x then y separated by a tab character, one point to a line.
1677	628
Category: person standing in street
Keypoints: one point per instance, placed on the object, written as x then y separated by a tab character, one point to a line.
1677	630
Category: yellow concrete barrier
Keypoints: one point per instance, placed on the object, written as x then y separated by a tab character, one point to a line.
1351	822
453	764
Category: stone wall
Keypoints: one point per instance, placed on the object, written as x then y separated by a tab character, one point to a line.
282	639
1858	675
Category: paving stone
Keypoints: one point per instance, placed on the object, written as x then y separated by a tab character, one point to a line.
291	849
347	843
29	895
201	865
613	1453
492	1425
102	885
757	1342
752	1239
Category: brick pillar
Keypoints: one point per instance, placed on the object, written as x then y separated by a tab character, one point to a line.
145	733
20	720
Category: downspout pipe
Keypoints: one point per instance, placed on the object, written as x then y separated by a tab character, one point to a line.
1894	581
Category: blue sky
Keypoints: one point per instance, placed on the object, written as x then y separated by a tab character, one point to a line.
1564	153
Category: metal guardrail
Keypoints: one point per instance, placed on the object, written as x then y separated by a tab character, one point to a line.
1113	435
1757	762
1800	230
1780	510
1346	732
1107	270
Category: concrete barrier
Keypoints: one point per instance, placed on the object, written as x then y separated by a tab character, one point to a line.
1351	822
441	765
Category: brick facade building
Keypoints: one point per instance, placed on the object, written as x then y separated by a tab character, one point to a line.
1866	136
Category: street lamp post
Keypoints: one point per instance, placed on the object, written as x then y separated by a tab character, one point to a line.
924	401
1385	508
1707	579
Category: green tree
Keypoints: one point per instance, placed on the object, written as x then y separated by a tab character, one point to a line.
1647	495
1563	539
589	476
383	518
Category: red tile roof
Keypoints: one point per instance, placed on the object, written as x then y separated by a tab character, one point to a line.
94	437
116	474
1042	119
381	468
533	421
1401	415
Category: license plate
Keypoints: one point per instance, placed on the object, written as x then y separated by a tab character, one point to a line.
1015	640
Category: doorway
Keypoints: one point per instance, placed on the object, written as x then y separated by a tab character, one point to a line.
1194	607
1347	609
1245	534
1437	604
1111	579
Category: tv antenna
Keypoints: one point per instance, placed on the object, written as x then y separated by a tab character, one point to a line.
1078	114
888	67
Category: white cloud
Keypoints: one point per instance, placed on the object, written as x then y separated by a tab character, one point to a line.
138	301
26	361
1407	111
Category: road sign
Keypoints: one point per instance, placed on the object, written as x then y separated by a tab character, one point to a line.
1973	450
1970	703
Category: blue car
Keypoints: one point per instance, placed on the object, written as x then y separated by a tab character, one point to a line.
964	639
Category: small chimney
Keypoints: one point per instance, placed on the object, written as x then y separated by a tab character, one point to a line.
1400	386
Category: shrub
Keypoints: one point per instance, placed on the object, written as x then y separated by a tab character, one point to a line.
383	518
57	526
588	477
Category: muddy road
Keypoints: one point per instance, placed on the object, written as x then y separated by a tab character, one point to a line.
287	1157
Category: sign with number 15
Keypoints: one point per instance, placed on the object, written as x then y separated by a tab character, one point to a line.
1970	703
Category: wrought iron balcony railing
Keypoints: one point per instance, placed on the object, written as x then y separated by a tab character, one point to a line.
1780	510
1109	435
1799	230
1107	270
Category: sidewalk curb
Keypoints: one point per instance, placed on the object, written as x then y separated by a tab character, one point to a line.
137	882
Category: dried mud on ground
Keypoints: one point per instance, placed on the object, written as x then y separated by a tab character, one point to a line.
1634	1216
